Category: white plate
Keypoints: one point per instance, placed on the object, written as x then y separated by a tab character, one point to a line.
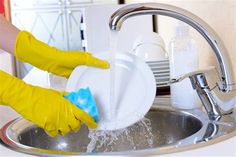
135	89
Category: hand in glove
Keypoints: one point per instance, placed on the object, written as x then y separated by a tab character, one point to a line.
45	107
29	49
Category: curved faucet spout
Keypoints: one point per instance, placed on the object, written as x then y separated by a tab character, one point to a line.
226	78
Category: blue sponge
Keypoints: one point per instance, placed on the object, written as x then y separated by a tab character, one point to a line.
85	101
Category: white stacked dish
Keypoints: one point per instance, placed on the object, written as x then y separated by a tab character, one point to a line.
161	71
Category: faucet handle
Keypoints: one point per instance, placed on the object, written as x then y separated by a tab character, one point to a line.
214	106
201	71
190	74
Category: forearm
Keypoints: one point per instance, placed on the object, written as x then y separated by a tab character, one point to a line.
8	34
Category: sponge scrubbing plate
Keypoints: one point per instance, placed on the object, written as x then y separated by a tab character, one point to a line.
85	101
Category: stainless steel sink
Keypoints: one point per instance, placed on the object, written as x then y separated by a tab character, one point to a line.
171	130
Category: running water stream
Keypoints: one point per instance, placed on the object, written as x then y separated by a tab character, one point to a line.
139	134
113	48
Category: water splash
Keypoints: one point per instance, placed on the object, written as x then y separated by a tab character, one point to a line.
130	138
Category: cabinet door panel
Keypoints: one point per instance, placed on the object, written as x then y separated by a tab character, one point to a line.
47	25
23	4
74	17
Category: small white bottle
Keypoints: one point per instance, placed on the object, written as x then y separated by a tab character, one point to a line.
183	59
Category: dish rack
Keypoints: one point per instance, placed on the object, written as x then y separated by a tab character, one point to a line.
161	71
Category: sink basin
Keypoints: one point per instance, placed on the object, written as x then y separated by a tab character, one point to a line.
163	130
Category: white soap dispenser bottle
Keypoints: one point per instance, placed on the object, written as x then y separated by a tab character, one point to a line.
183	57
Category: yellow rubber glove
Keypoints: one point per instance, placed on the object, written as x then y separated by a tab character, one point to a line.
29	49
45	107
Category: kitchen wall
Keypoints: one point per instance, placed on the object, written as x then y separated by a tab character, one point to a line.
219	14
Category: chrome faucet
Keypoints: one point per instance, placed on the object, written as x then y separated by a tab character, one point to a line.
198	79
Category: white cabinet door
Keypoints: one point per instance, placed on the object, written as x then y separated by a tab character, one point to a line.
46	25
19	4
74	17
55	22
